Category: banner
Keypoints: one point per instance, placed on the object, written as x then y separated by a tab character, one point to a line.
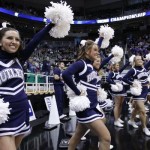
31	112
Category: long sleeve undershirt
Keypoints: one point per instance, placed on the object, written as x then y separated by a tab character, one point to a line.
69	72
128	76
38	37
105	61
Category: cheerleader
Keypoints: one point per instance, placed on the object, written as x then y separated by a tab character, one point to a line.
115	78
12	57
138	72
91	117
103	101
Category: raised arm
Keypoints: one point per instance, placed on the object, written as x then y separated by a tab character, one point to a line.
106	60
121	69
69	72
38	37
128	76
100	41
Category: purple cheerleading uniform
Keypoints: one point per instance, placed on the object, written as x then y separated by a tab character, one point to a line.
84	73
141	74
115	77
12	87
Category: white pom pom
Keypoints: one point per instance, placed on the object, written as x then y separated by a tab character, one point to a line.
105	43
106	32
148	57
137	83
83	42
114	88
131	59
115	60
4	111
136	89
102	95
117	51
109	103
79	103
62	16
120	86
71	94
59	31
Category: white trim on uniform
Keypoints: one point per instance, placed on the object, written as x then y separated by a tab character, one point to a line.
15	128
91	120
7	64
12	93
12	89
84	70
88	117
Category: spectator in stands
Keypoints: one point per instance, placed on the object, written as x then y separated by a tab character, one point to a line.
30	66
46	66
58	87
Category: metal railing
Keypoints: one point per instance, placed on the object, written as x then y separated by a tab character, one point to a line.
38	84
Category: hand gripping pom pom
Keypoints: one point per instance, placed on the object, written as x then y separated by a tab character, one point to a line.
102	95
71	94
79	103
131	59
106	32
115	60
105	43
59	31
4	111
136	89
117	51
120	86
62	16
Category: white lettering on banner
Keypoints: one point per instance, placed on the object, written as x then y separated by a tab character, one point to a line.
128	17
102	21
48	103
31	112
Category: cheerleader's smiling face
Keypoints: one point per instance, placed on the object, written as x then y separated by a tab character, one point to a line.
97	63
138	61
10	41
116	67
93	53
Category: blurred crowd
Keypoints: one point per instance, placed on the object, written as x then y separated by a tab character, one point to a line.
139	45
45	57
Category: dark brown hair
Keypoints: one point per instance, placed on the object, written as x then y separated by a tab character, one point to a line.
2	33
